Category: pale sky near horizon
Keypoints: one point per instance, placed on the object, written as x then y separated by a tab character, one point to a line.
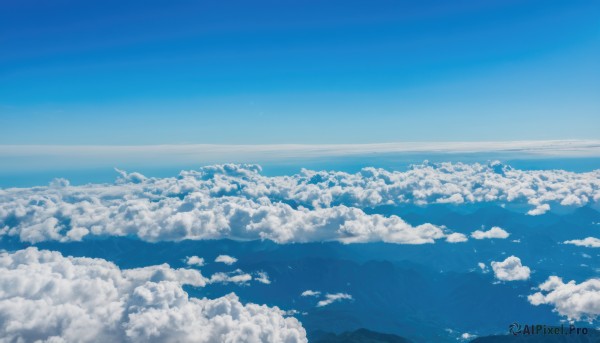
310	72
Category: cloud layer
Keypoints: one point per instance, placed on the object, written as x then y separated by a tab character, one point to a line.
575	301
238	202
68	156
50	298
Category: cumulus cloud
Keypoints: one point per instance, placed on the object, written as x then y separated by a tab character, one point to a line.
575	301
228	260
494	232
331	298
129	177
456	238
238	202
310	293
195	261
154	212
483	267
47	297
510	269
590	242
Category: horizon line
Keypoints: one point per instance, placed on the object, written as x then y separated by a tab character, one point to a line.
585	147
52	157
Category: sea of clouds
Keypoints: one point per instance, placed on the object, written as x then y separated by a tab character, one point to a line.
238	202
46	296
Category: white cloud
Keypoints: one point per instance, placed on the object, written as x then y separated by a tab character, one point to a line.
575	301
262	277
590	242
510	269
67	299
141	210
331	298
539	210
483	267
494	232
195	261
236	276
309	293
456	238
129	177
238	202
467	336
228	260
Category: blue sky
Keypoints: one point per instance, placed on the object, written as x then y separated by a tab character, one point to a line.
311	72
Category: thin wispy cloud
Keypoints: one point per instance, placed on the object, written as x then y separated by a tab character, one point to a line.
101	155
331	298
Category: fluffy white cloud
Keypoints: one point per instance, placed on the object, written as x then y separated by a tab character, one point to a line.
140	210
228	260
495	232
510	269
195	261
310	293
129	177
456	238
590	242
331	298
483	267
575	301
238	202
423	184
50	298
539	210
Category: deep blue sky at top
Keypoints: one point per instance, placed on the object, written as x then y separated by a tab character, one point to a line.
282	71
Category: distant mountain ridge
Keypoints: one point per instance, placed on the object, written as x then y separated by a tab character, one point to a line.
368	336
357	336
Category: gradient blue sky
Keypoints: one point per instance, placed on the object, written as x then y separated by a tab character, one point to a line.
281	71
